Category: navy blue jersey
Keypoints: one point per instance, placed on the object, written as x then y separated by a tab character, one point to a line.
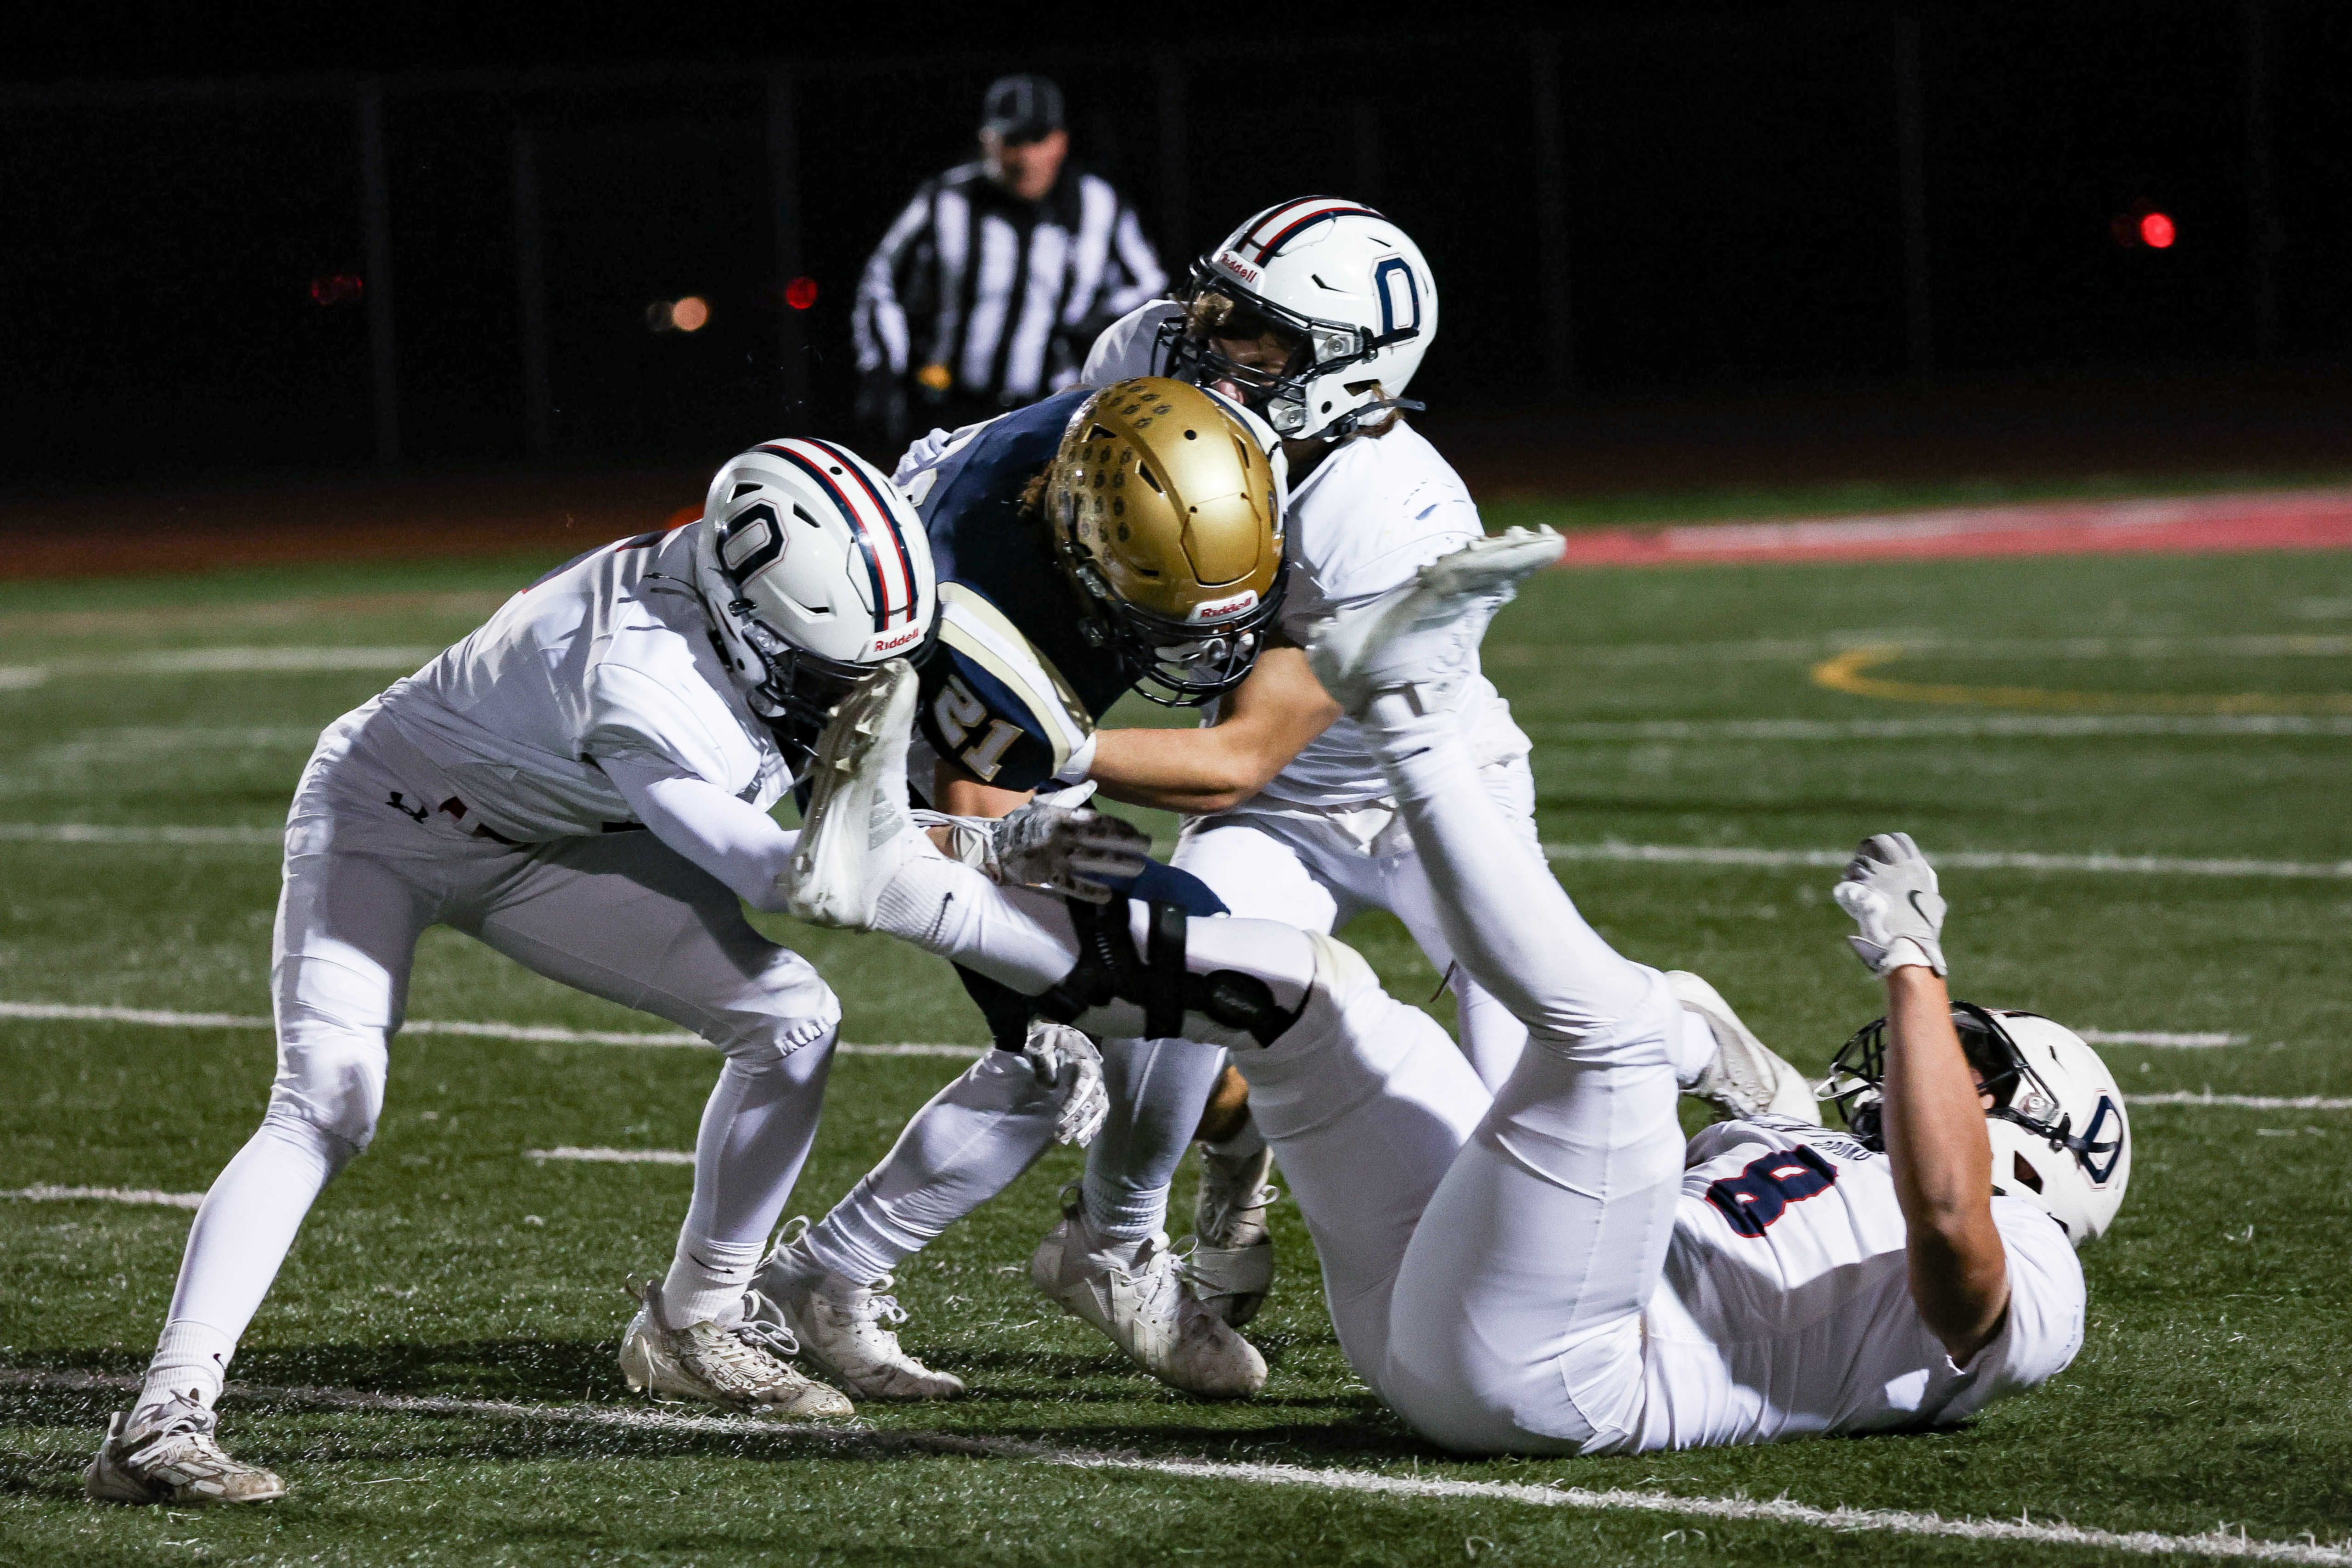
1014	686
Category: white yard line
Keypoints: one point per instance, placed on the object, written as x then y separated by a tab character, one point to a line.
2244	1101
2290	644
2016	726
2220	1542
1963	860
144	1197
137	833
547	1034
2159	1039
618	1156
221	661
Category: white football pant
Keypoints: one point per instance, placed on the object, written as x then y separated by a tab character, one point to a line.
622	917
1485	1257
1316	869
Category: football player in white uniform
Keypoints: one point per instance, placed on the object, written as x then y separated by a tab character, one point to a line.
1553	1269
1316	313
582	783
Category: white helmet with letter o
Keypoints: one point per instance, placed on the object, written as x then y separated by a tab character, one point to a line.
2061	1140
1343	284
815	570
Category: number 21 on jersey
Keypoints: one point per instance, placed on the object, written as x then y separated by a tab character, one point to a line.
957	711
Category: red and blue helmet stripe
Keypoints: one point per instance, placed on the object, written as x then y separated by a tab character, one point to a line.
889	567
1263	237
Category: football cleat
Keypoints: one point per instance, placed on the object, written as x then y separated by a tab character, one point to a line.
1421	640
858	830
844	1330
1140	1299
1744	1080
737	1367
1232	1264
166	1453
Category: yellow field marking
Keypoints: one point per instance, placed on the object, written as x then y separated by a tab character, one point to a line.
1847	672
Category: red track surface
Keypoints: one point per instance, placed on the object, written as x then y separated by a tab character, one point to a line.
2300	520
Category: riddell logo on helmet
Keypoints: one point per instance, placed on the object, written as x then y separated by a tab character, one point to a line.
1221	609
889	645
1235	264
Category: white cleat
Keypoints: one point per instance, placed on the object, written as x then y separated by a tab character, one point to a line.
1419	639
737	1367
1745	1080
844	1329
166	1453
858	830
1138	1296
1232	1264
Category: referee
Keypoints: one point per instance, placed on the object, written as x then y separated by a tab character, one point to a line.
987	292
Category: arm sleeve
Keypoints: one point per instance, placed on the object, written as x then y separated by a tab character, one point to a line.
879	321
730	838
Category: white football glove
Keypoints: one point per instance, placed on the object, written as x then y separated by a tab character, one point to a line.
1052	846
1062	1058
1889	888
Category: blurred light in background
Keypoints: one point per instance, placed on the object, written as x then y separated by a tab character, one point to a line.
336	288
2144	225
690	314
2156	231
801	293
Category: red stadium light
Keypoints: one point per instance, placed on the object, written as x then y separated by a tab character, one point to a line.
2156	231
801	293
337	287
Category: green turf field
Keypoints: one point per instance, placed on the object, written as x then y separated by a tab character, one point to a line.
1670	708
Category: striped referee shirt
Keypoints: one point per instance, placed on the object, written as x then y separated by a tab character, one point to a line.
1006	294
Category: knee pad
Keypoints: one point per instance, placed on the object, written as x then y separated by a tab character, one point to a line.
1160	979
329	1075
787	1010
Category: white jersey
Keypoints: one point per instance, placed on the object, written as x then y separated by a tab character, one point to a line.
1785	1307
609	657
1363	521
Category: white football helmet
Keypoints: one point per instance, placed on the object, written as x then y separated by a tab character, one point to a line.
815	569
1347	283
2061	1140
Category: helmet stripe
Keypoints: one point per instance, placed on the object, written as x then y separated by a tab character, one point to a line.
1277	227
888	566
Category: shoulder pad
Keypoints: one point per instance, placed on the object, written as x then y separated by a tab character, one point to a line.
992	702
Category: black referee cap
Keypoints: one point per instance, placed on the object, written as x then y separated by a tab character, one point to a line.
1022	108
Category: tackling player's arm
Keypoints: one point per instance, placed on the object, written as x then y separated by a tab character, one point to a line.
732	839
1933	1109
1269	719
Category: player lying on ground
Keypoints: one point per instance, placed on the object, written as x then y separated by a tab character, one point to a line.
1317	313
1096	543
1553	1268
673	681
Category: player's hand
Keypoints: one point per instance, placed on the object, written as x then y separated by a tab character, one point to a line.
1066	1059
1057	849
1889	888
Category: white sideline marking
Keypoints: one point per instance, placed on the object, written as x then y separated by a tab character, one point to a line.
142	1195
2149	1543
492	1031
2305	645
2244	1101
618	1156
2159	1038
222	661
1997	860
2019	726
112	833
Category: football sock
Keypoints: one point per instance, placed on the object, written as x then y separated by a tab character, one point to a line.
706	1280
968	1144
755	1135
240	1238
1021	939
1246	1145
1157	1091
190	1358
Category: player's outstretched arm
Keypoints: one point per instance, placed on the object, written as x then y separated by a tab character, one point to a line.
1932	1114
732	839
1269	719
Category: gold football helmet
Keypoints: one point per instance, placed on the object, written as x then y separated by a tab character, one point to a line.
1166	511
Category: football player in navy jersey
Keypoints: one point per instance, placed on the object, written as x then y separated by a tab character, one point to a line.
1094	543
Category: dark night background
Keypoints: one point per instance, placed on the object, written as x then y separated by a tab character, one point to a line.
1729	186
